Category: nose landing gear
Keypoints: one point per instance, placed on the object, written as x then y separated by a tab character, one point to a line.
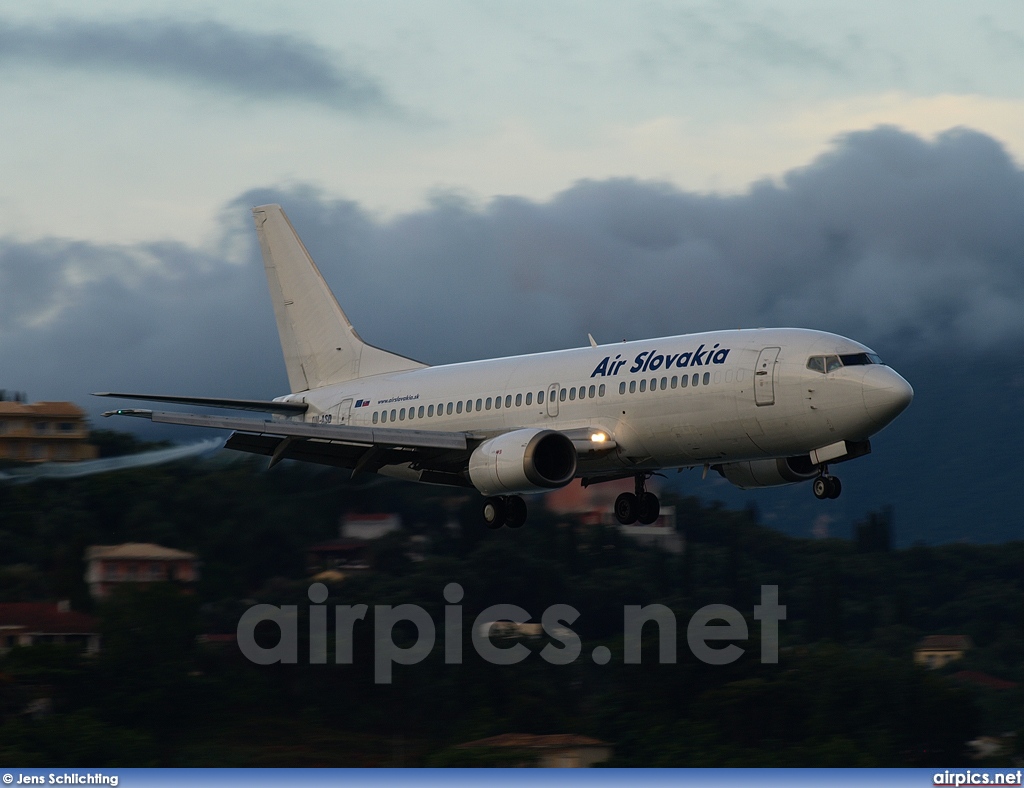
826	486
640	506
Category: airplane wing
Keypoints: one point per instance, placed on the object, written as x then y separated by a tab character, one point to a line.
439	456
265	406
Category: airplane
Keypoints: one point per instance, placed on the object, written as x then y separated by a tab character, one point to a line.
762	407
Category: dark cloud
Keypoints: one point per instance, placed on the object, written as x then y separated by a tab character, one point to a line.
207	53
888	238
909	245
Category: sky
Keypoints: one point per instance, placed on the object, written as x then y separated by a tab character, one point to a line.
479	179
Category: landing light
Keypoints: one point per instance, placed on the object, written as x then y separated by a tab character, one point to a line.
599	437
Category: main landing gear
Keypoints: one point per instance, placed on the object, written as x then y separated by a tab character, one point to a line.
640	506
826	486
502	510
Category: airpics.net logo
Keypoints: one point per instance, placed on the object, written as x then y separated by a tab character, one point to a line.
712	633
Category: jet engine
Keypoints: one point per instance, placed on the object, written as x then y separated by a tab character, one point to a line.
768	473
523	461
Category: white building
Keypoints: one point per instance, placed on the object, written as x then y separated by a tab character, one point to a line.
369	526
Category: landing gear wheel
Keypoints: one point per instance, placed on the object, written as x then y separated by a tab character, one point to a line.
648	508
515	511
821	488
626	508
835	487
494	512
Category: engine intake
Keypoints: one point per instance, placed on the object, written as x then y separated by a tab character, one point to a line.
768	473
523	461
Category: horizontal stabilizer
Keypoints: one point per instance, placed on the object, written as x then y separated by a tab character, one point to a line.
264	406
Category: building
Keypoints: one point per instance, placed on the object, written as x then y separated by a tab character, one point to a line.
594	505
44	432
564	750
510	630
934	651
331	561
109	566
369	526
338	556
35	623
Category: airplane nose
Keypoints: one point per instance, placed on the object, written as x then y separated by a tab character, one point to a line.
886	395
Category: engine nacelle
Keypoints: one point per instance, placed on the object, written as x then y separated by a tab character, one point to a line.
523	461
768	473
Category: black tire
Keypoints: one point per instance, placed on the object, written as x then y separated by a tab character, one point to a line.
626	508
821	488
494	513
648	508
835	487
515	511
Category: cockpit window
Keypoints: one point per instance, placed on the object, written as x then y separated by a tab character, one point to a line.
825	364
855	359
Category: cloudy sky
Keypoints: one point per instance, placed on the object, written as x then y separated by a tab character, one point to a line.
486	178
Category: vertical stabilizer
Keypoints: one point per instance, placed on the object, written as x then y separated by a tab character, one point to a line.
319	343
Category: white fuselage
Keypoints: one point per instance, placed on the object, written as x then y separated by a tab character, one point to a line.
741	400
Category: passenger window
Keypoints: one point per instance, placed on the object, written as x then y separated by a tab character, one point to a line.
479	404
561	395
529	397
675	381
508	400
600	391
643	385
497	403
583	392
684	380
449	409
707	378
458	406
591	392
540	397
696	377
412	413
519	400
376	416
572	394
401	415
430	411
816	364
469	406
832	363
622	387
632	387
419	414
394	414
488	402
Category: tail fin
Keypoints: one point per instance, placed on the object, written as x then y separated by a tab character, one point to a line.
319	343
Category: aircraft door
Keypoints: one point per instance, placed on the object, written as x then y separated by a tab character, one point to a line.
343	413
764	376
553	400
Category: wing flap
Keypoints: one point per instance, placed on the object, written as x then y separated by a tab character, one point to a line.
366	436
